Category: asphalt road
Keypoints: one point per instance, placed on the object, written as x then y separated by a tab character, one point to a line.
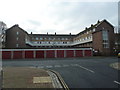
94	72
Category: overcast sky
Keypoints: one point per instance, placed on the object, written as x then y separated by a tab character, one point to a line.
60	16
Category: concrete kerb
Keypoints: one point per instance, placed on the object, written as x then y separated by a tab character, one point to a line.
115	65
64	85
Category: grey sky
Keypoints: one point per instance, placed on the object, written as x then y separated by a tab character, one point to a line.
60	16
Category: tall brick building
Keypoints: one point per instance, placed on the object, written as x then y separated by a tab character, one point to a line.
99	37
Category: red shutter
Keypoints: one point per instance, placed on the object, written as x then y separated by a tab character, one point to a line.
6	54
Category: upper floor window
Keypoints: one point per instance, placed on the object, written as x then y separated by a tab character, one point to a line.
105	39
45	38
41	38
62	38
58	38
93	29
105	35
17	33
36	38
17	45
49	38
66	38
17	38
32	38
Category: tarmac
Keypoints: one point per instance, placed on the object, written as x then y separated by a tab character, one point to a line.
32	77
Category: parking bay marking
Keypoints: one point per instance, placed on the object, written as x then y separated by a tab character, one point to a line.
65	65
57	66
117	82
49	66
86	69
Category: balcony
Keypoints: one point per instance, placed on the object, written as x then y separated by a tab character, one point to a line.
47	44
58	44
83	41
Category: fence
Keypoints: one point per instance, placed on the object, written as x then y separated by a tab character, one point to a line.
44	53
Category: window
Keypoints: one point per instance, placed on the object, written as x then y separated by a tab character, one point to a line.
17	38
93	29
17	45
105	39
17	33
58	38
62	38
105	35
41	38
49	38
65	42
32	38
66	38
45	38
35	42
36	38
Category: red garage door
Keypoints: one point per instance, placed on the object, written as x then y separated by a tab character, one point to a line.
6	54
88	53
69	53
29	54
60	53
50	54
39	54
79	53
17	55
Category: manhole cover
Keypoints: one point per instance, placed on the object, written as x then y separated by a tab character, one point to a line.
42	80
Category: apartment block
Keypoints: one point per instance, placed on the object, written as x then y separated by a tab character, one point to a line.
99	37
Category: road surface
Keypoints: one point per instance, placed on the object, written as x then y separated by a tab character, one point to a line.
94	72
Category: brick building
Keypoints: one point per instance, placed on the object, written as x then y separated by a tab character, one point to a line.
99	37
16	37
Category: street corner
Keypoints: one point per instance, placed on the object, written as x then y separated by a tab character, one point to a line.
27	77
115	65
57	80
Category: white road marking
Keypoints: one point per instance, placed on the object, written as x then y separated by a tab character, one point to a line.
57	66
49	66
74	65
65	65
117	82
87	69
41	67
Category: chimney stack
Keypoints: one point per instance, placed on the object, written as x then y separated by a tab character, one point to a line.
91	25
98	21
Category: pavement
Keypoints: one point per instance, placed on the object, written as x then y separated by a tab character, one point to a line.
115	65
32	77
93	72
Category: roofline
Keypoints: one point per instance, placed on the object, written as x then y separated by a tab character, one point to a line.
54	34
105	21
18	27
